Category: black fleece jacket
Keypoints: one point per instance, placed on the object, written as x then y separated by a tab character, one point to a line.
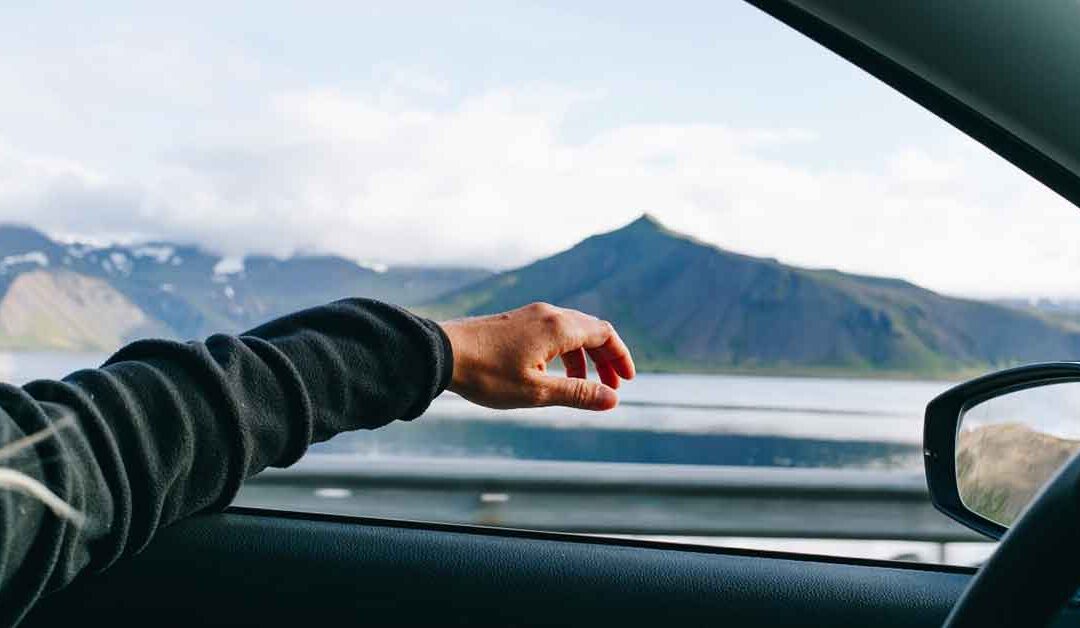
167	429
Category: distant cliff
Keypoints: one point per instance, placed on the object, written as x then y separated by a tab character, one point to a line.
686	305
80	297
1000	467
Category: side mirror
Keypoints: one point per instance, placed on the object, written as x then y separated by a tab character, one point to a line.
991	444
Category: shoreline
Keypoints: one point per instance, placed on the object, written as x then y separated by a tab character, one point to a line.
645	367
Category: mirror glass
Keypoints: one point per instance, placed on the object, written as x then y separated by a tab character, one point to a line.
1009	446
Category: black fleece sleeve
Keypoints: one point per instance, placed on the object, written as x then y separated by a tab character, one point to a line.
166	429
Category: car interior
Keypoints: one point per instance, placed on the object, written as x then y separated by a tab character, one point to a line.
1001	72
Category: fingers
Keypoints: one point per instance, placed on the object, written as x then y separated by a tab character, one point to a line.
571	334
573	392
604	345
605	370
574	361
576	366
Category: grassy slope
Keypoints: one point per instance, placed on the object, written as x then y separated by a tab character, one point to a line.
688	306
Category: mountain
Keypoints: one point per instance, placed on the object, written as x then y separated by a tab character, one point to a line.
82	297
1066	311
685	305
1000	467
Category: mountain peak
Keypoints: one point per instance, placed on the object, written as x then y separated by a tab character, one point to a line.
647	221
645	226
20	229
17	238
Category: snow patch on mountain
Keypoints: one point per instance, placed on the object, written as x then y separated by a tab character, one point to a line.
33	257
229	266
121	263
159	253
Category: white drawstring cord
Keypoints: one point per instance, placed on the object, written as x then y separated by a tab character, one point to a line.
23	483
25	442
19	481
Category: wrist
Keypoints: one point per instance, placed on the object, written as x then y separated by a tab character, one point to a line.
455	335
444	362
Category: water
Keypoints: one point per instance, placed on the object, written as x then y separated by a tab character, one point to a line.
707	419
24	366
688	419
683	419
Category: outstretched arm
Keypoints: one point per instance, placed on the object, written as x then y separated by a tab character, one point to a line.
166	429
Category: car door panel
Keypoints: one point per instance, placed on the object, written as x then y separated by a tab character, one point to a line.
252	567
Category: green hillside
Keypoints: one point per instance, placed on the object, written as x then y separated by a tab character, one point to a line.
685	305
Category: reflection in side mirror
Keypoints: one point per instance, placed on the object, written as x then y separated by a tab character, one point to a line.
1009	446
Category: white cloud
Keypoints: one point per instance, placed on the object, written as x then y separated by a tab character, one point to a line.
494	180
266	132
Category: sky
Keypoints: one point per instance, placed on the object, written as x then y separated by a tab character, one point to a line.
490	134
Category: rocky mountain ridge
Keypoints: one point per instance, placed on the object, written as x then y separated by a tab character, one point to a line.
76	296
687	305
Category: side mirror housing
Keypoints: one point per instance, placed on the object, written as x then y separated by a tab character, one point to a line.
991	444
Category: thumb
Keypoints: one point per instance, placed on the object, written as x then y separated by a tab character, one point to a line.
574	392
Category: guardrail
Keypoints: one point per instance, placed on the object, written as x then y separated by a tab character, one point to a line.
614	498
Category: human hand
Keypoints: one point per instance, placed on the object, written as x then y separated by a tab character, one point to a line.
500	361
